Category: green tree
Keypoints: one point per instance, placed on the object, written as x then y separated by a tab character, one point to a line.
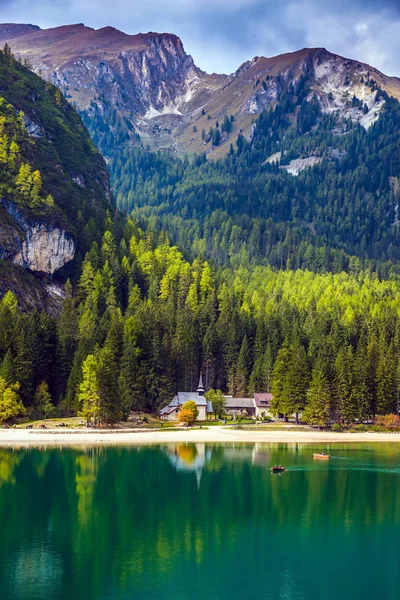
299	379
218	401
243	368
7	369
386	389
281	402
89	393
110	401
318	409
42	402
344	386
128	378
10	403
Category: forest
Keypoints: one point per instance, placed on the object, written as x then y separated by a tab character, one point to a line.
341	214
49	166
261	280
142	321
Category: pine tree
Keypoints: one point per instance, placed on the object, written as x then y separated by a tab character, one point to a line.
318	409
386	389
7	368
344	393
128	383
299	379
24	358
42	402
257	377
89	394
67	340
361	392
268	367
108	362
243	368
281	382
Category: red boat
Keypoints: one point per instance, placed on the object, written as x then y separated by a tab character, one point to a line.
278	469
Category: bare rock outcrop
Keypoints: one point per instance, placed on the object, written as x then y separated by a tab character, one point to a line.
37	246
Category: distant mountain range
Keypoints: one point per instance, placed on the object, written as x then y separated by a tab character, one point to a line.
309	175
151	89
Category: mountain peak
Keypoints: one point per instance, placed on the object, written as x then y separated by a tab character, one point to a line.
157	88
9	31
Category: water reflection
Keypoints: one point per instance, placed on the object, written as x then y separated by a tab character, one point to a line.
189	457
195	520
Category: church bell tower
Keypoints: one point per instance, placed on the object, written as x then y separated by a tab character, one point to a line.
200	387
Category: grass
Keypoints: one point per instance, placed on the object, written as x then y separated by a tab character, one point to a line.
273	427
51	423
78	422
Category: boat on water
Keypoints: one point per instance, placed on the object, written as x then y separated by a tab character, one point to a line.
278	469
322	455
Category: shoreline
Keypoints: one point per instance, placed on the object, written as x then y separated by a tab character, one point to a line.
52	437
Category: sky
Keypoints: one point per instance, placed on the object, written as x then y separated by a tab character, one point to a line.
222	34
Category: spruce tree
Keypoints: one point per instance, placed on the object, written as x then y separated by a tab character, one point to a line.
42	402
243	368
128	382
361	391
318	409
7	368
281	382
299	379
346	406
67	340
386	389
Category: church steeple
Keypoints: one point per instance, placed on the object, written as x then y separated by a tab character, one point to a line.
200	387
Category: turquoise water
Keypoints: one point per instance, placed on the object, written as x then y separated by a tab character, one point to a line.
205	522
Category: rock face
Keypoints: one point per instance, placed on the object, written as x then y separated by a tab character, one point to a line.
36	246
159	94
141	73
148	77
45	250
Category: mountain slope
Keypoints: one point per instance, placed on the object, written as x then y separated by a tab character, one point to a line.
310	190
54	189
140	75
147	86
311	177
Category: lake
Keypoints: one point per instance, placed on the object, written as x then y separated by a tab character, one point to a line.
200	522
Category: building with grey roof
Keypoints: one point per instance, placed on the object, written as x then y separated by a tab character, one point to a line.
171	411
259	405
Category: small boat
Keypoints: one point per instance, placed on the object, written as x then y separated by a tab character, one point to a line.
322	455
278	469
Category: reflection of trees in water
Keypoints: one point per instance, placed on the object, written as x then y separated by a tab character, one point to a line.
9	461
187	453
129	515
87	465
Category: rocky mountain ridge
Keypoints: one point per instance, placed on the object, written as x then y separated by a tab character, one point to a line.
54	187
159	95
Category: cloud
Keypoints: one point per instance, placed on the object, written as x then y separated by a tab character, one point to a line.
221	34
361	28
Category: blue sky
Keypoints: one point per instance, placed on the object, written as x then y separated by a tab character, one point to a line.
222	34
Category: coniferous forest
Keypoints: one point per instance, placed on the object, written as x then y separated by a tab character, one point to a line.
261	280
341	214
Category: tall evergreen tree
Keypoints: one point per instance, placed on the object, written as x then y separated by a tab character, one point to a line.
318	409
243	368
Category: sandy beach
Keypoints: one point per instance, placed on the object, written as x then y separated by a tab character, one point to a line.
54	437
